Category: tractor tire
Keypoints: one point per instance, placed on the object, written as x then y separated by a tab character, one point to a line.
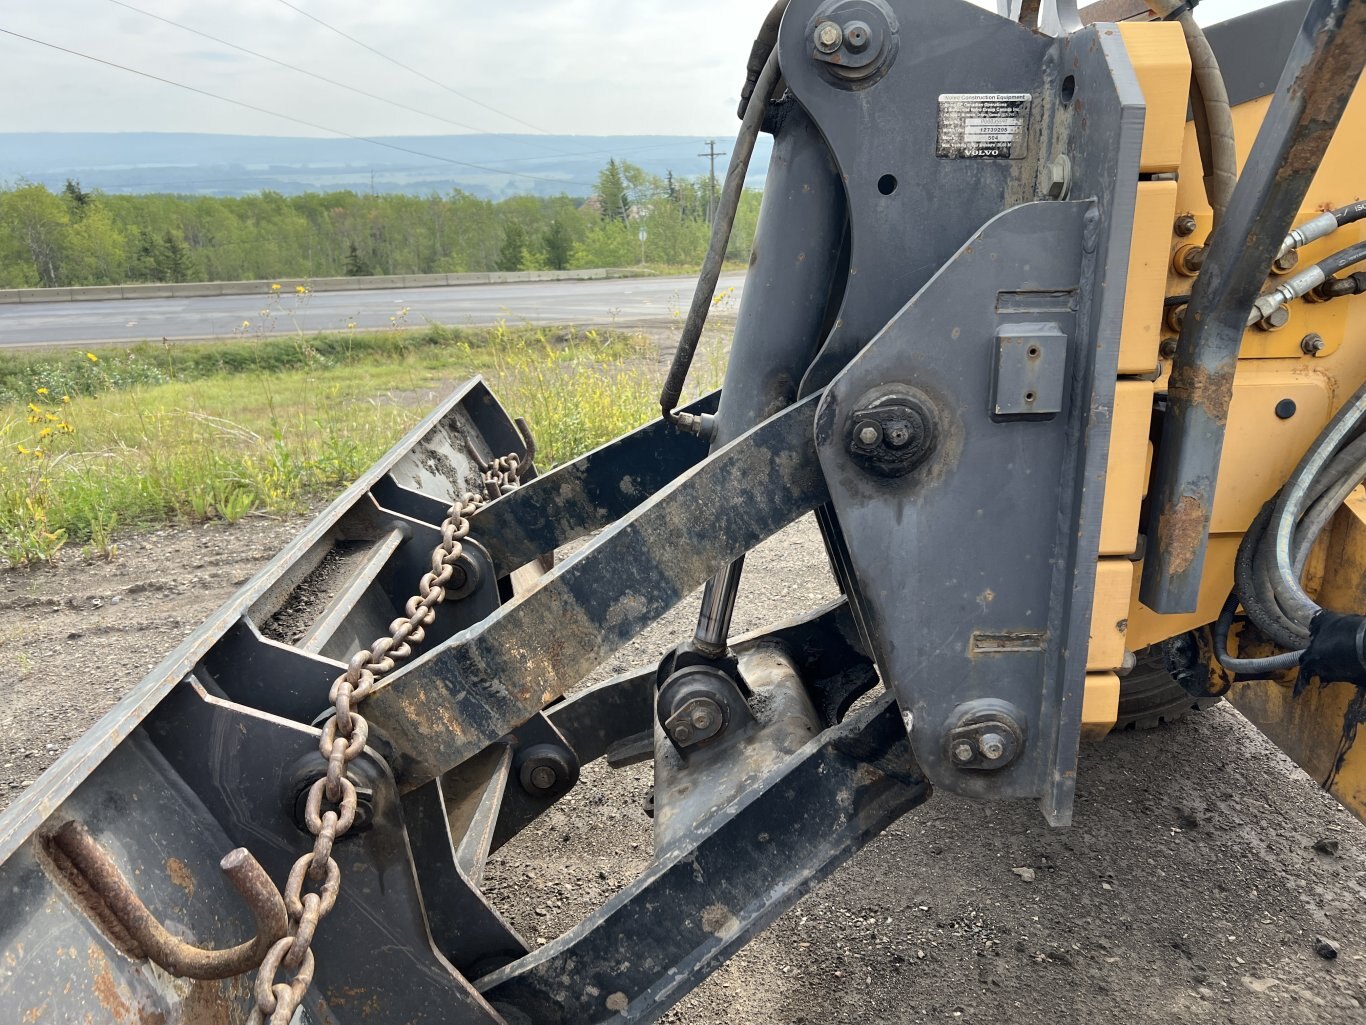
1149	697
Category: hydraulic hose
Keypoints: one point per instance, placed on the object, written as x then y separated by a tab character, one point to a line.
1305	281
1324	224
1272	557
727	207
1213	116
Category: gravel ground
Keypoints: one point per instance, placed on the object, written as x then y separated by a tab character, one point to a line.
1189	887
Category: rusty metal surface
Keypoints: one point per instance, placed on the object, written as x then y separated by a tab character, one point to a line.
108	896
456	700
1316	83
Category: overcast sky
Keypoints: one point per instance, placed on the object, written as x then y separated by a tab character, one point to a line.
593	67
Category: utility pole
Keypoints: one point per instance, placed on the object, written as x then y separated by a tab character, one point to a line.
711	178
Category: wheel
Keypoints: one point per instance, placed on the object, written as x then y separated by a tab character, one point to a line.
1149	697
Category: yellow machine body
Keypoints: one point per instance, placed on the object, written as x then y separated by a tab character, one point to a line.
1284	394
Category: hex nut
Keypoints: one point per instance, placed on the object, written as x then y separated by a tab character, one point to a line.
828	37
1185	226
1286	262
869	433
1312	344
963	752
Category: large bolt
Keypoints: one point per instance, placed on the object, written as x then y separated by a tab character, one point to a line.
992	746
1286	262
543	777
962	751
1185	226
682	732
1277	318
869	433
702	718
1312	344
1058	177
828	37
1189	260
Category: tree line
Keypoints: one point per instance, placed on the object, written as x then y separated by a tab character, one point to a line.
79	237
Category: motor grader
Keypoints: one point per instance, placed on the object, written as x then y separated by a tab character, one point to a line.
1049	323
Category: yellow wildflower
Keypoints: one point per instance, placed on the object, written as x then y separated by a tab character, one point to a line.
22	451
46	432
42	391
300	289
350	323
246	323
66	400
92	357
275	287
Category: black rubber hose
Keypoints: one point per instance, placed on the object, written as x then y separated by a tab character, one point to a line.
726	209
1342	259
1247	666
1344	427
1213	114
1349	213
759	52
1254	590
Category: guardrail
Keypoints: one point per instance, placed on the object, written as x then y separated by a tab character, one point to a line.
288	285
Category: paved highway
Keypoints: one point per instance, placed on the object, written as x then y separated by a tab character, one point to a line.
623	301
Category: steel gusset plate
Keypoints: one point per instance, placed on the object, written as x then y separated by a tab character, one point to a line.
974	573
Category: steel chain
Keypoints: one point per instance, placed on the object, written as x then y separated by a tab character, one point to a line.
343	739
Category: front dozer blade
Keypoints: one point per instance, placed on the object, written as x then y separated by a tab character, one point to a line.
117	908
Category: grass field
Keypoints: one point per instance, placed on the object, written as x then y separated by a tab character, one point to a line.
112	440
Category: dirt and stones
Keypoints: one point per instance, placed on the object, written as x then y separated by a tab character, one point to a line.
1200	871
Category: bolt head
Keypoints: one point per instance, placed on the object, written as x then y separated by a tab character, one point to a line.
702	719
962	751
1287	262
828	37
543	777
869	434
1185	226
682	733
992	746
1278	317
1312	344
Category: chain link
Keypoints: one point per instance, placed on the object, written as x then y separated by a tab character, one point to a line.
315	880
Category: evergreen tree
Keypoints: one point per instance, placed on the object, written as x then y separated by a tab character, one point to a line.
72	191
513	252
355	265
558	244
612	192
174	263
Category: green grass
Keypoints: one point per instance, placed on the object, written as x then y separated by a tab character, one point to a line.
90	448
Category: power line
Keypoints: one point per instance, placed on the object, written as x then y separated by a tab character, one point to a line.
292	67
414	71
291	117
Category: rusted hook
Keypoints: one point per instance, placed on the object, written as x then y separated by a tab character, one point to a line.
108	898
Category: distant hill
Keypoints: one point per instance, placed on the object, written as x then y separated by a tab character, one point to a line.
233	165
